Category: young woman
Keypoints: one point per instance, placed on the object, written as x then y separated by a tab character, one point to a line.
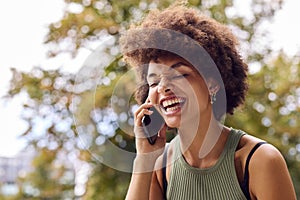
206	160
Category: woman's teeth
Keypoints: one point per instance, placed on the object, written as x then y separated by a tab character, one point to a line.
172	101
172	108
172	104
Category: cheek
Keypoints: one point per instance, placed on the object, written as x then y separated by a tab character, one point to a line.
203	97
199	93
152	95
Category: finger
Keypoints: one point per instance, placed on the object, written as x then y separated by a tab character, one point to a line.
140	115
147	100
143	106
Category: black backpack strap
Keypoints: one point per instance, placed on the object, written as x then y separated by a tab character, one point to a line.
245	183
164	176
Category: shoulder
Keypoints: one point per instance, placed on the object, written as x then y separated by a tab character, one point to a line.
246	144
269	173
268	170
264	154
267	158
264	157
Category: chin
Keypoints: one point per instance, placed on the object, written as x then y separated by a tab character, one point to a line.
173	123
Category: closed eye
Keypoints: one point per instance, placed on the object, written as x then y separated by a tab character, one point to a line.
153	84
180	76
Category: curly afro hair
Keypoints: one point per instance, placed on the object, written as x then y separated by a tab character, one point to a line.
215	38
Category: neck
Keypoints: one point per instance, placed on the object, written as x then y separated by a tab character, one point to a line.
205	146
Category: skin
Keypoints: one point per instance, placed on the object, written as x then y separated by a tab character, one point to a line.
269	176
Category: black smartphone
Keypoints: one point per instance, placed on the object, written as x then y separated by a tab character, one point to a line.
152	124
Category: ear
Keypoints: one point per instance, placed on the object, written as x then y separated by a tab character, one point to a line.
212	85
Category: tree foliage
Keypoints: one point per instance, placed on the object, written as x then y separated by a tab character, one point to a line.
71	118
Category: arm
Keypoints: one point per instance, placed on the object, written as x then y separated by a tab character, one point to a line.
145	185
147	154
139	187
156	189
269	175
144	177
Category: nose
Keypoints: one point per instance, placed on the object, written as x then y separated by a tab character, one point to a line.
164	86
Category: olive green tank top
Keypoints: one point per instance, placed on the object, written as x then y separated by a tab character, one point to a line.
218	182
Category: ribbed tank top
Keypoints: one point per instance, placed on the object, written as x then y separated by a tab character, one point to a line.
218	182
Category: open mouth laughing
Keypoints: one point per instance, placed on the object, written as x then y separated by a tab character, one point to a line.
172	104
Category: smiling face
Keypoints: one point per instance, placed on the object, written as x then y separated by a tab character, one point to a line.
177	90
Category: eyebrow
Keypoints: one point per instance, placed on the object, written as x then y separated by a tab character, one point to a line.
174	66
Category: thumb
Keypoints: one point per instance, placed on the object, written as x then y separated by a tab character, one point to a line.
162	131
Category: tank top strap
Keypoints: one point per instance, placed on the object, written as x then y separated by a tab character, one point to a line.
233	140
